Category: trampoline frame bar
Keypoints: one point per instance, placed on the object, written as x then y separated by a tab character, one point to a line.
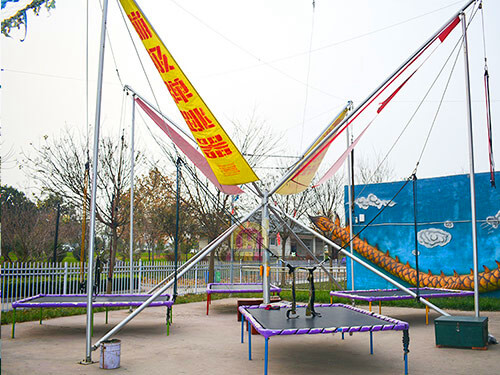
272	288
203	254
25	304
358	294
364	264
252	320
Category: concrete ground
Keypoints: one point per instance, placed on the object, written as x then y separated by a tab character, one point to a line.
200	344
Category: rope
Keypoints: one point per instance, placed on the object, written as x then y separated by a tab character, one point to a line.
488	104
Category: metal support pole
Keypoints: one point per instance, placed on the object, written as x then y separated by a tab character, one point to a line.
242	327
471	169
13	323
88	352
350	178
214	244
415	230
56	236
266	285
266	354
249	341
132	163
231	270
367	265
371	343
177	204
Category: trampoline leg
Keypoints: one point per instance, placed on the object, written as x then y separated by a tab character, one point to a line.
208	302
41	314
266	355
342	335
426	315
406	344
370	306
106	314
380	307
242	328
249	341
371	342
13	322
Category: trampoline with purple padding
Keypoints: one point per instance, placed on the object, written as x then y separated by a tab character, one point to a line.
334	318
80	300
236	288
379	295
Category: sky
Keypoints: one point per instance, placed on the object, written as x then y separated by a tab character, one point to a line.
291	66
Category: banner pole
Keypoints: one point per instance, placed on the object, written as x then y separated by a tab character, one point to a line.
88	346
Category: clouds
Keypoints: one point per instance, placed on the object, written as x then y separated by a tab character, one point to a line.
373	201
494	221
433	237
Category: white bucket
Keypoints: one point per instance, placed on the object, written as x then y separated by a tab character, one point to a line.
110	354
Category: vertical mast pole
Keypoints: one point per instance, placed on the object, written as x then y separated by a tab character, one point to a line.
231	241
350	198
88	352
471	168
132	165
266	295
177	204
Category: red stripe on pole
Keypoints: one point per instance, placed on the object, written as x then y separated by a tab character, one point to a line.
448	29
386	101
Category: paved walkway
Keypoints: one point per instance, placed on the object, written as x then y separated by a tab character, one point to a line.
200	344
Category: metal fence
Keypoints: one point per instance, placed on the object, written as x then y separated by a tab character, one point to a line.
23	280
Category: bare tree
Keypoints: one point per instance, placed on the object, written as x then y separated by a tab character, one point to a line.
328	200
372	170
59	164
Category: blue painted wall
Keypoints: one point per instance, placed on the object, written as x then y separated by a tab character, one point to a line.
443	205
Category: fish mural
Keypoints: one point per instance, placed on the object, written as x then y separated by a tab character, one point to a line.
489	280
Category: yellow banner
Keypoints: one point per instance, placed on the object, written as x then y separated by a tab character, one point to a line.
226	161
301	180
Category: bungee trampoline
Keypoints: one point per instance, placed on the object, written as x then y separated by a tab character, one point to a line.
327	318
379	295
236	288
80	300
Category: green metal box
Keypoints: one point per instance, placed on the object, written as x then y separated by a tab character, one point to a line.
462	332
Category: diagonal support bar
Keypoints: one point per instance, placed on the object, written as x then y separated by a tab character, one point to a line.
203	254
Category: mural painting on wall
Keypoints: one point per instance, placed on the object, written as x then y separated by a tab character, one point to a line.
373	201
433	237
489	280
491	223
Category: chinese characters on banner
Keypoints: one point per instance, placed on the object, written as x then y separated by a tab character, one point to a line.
225	160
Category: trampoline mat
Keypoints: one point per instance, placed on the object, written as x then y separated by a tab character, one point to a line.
400	294
101	300
231	288
332	316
